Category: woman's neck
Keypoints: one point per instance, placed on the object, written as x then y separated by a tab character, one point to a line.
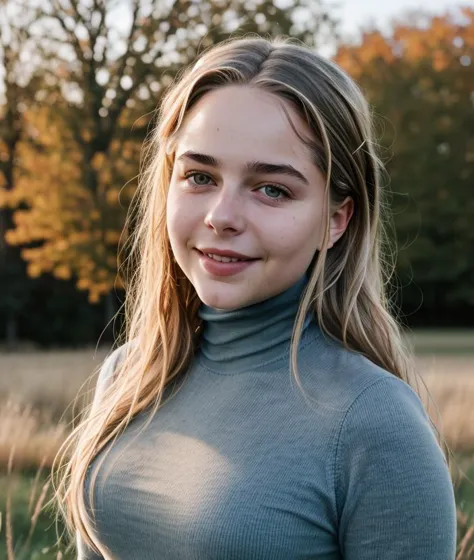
243	339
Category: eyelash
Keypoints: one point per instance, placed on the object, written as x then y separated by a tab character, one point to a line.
283	191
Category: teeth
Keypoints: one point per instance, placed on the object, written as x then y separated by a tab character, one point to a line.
222	259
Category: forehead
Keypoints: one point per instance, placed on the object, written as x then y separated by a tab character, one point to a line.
239	122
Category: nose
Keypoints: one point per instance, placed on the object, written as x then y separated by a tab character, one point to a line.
226	213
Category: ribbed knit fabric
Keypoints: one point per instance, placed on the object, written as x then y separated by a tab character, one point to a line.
238	465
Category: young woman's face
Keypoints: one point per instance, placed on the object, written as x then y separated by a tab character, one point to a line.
231	201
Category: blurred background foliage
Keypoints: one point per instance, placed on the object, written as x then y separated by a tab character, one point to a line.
80	90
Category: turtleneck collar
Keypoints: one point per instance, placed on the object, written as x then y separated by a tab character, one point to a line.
249	337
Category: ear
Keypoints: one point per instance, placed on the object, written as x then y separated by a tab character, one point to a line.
340	220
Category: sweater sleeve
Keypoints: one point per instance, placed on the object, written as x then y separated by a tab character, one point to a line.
105	377
394	492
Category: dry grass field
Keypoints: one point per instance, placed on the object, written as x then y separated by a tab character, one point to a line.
38	387
37	390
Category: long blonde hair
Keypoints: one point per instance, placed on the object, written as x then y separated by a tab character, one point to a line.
347	284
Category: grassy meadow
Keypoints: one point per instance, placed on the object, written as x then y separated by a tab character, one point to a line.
38	387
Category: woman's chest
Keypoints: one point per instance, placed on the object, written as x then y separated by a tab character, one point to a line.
252	485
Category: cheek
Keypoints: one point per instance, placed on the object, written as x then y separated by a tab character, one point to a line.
175	220
295	237
175	204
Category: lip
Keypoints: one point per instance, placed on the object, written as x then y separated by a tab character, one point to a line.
217	268
224	253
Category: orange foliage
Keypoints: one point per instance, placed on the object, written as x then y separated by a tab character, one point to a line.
442	42
79	229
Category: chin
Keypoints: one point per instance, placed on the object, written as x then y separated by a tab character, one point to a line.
225	301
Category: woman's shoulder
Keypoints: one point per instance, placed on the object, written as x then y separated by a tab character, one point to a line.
384	419
341	376
112	360
109	368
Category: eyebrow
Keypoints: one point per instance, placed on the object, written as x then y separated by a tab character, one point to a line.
257	167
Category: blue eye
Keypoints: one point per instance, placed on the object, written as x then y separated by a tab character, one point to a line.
197	174
275	188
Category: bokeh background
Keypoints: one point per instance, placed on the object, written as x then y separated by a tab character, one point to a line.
80	81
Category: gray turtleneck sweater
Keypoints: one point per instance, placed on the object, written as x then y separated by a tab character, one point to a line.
237	465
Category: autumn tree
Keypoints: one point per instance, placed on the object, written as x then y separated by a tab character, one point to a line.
103	86
420	80
18	87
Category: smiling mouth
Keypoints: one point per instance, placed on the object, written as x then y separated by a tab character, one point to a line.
223	258
223	268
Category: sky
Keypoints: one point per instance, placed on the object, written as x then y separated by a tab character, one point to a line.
351	13
355	13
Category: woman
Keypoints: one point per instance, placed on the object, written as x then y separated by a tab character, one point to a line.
258	257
